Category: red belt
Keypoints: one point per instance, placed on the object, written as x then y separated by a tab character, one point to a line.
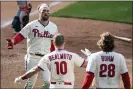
37	54
65	83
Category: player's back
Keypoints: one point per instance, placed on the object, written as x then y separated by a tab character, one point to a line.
62	65
108	69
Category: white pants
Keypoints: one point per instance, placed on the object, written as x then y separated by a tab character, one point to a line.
30	62
61	85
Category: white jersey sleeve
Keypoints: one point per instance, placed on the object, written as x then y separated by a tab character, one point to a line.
91	66
123	66
78	61
44	63
25	31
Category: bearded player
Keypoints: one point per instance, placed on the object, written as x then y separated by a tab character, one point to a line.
39	34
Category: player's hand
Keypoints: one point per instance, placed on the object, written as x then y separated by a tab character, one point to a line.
18	80
9	43
86	52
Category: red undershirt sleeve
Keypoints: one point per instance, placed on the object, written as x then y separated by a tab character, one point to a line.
52	48
126	80
18	38
87	80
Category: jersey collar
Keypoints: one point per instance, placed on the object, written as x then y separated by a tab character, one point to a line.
43	24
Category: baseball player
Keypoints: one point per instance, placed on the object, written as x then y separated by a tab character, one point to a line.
61	64
39	34
22	17
107	66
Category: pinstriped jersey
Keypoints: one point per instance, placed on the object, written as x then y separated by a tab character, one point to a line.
61	63
107	67
39	37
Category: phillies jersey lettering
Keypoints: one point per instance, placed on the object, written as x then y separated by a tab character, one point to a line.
42	34
61	65
107	58
107	67
60	56
39	37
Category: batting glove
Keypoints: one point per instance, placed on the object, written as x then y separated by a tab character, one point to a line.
9	43
86	52
18	80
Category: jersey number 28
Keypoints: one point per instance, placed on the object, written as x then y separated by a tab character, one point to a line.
61	67
109	68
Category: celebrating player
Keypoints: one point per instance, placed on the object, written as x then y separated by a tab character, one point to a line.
39	34
107	66
60	63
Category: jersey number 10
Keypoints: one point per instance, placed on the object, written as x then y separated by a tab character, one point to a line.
61	67
109	68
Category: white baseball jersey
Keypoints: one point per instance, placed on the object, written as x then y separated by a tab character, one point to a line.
39	37
61	64
107	67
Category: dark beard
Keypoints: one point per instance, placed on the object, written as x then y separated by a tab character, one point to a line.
45	19
44	22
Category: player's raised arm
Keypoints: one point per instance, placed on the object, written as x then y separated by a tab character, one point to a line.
28	74
79	61
15	40
86	52
90	71
42	65
18	37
